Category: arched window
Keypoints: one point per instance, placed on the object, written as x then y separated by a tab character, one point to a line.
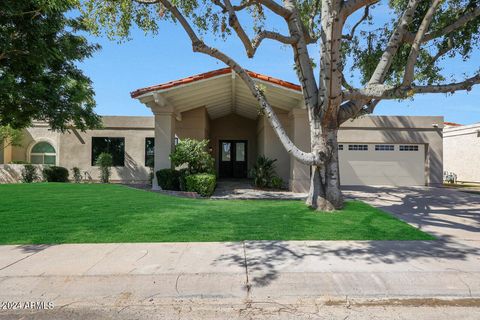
43	153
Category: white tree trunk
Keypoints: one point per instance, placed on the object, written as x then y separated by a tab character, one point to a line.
325	193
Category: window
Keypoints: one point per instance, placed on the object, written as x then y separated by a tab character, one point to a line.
114	146
43	153
358	147
384	147
340	147
240	151
226	151
408	148
149	152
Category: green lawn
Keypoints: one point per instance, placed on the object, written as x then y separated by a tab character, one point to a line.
73	213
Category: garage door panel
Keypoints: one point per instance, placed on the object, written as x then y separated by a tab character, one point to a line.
370	167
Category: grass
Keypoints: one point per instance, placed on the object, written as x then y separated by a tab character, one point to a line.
94	213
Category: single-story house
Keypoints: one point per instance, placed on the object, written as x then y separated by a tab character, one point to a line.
373	150
462	151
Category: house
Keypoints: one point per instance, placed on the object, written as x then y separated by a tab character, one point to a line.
462	151
373	150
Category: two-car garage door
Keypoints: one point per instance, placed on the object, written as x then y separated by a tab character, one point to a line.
382	164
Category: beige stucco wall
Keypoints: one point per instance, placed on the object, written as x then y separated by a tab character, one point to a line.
461	147
377	129
269	145
194	124
234	127
74	148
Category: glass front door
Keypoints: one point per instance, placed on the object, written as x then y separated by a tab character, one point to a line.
233	159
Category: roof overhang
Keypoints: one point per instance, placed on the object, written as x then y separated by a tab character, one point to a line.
221	92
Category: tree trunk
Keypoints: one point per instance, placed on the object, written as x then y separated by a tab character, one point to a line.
325	194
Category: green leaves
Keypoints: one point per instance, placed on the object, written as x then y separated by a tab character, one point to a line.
364	51
39	79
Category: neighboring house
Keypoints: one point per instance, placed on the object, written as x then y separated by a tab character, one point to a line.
374	150
461	146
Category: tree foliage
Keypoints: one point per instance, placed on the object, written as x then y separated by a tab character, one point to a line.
39	79
10	136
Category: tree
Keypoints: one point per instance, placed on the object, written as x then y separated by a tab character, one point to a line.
395	61
10	137
39	79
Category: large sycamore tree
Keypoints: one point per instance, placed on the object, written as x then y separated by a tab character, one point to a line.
394	60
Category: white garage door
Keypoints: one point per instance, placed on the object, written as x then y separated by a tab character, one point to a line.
382	164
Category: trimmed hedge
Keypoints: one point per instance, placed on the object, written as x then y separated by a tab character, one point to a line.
55	174
201	183
168	179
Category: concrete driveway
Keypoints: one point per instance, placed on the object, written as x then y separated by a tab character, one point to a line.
446	213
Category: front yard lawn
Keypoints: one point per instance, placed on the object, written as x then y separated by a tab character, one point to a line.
90	213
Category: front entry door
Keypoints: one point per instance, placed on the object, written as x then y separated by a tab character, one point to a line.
233	159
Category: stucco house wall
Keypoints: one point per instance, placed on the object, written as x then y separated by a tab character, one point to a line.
461	147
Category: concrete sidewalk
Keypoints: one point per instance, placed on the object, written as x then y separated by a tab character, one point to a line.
241	274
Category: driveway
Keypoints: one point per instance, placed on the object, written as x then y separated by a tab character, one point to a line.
446	213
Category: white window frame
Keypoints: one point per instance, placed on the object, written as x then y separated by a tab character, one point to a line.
47	140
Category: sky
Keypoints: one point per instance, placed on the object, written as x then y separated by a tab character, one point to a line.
145	60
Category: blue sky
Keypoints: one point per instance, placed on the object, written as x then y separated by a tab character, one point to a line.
119	68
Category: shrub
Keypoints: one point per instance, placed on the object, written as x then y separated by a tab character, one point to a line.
168	179
182	175
105	161
77	176
276	182
55	174
29	173
194	155
18	162
201	183
263	171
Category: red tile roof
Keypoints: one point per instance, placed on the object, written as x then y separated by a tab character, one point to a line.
452	124
211	74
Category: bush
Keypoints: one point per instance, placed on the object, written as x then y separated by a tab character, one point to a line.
105	161
168	179
77	176
18	162
29	173
194	155
263	172
55	174
276	183
201	183
182	175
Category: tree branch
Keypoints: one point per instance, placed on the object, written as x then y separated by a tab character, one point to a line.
350	6
276	8
393	43
460	22
381	91
415	50
199	46
274	36
359	22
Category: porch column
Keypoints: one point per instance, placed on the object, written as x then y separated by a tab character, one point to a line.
300	134
164	142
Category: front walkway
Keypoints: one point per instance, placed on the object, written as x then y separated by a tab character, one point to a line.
244	189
